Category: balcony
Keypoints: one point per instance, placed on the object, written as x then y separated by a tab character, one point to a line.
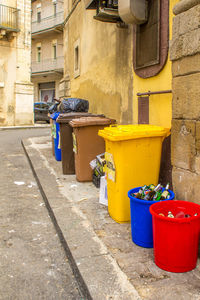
48	66
9	20
54	22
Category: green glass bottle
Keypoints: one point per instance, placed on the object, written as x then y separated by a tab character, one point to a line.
157	192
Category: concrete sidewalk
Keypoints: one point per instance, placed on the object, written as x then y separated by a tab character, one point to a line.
108	263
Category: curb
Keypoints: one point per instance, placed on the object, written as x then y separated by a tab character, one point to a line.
38	126
81	283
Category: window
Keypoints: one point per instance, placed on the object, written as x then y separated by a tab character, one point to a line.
151	40
54	51
77	59
147	37
39	16
55	9
38	53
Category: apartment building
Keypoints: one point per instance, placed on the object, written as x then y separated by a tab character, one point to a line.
16	89
47	48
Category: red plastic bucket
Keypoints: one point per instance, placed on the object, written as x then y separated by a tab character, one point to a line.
176	239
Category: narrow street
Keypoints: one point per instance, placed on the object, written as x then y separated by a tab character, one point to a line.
32	261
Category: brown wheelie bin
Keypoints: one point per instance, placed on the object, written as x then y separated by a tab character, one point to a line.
66	142
87	143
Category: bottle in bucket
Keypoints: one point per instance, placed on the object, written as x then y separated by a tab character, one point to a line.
165	194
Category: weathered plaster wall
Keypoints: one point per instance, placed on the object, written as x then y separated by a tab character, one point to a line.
107	78
185	56
106	72
8	77
16	91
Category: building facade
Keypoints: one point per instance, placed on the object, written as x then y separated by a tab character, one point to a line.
47	48
16	89
122	68
185	56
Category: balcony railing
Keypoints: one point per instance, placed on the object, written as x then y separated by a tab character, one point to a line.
9	18
48	23
48	65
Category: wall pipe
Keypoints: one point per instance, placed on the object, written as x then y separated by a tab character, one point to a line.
154	93
70	13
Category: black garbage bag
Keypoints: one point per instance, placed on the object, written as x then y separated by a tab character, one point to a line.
53	108
73	104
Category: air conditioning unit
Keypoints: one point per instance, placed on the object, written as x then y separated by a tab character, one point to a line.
133	11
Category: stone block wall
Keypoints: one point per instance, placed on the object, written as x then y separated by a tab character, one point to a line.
185	56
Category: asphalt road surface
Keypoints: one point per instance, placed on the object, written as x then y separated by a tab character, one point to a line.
33	264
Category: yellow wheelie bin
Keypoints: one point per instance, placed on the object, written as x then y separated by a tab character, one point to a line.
133	155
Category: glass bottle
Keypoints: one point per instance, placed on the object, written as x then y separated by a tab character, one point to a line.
165	193
158	191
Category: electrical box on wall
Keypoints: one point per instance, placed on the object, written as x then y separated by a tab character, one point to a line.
133	11
107	11
107	15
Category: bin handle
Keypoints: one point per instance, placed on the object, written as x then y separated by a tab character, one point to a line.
168	133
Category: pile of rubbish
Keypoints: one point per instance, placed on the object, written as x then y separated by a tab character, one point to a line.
97	165
69	105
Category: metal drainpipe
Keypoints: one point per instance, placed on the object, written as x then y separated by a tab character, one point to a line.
70	13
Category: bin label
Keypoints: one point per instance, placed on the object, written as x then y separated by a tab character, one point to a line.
110	166
53	131
74	143
58	139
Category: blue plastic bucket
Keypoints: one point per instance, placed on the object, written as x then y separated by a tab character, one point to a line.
56	136
141	219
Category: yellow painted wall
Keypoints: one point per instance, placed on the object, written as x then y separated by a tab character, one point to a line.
160	106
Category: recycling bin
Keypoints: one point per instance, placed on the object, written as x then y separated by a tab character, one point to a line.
133	154
56	136
176	240
66	141
87	144
141	219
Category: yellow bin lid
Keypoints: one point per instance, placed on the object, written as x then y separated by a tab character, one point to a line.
128	132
